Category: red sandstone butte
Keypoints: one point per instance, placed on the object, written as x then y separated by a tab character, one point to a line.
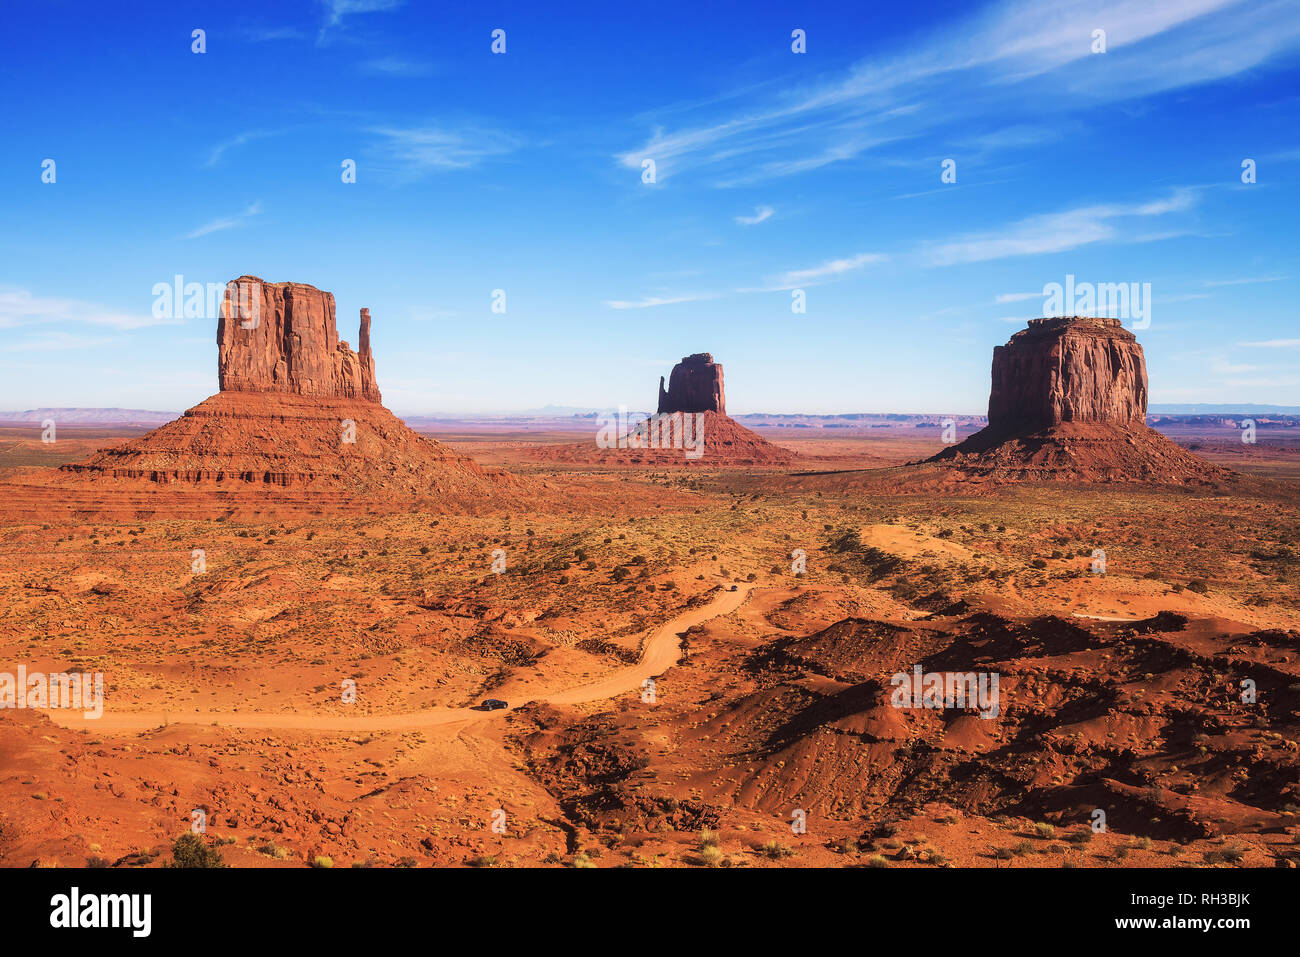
695	385
296	407
282	337
694	388
1068	401
1068	370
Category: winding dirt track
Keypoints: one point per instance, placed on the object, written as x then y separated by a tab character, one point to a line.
662	650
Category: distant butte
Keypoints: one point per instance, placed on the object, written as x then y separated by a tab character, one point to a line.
1068	400
694	388
695	385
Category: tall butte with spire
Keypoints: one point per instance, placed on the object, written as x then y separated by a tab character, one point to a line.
296	350
1068	401
297	407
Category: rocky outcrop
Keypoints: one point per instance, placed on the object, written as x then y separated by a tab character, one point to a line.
1068	402
695	385
281	337
298	408
1069	369
715	439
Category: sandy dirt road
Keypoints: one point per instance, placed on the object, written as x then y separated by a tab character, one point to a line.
661	651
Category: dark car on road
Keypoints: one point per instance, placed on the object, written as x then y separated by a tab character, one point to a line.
493	704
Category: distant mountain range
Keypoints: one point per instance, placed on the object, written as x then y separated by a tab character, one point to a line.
559	416
1221	408
77	416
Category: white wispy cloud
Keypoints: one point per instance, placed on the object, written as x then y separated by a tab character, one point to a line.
1055	232
217	152
20	307
336	11
1272	344
227	222
1242	282
398	66
652	301
1019	55
56	342
834	267
761	214
262	34
1017	297
411	152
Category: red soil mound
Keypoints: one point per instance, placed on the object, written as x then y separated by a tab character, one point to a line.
1084	452
290	440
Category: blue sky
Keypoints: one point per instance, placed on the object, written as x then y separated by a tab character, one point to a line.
775	171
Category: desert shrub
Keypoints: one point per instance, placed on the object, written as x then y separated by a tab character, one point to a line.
1045	831
189	851
877	860
775	850
711	855
322	862
1225	855
845	540
581	860
1198	586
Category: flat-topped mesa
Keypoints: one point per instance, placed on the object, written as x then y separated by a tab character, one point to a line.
1067	369
1068	403
282	337
695	385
